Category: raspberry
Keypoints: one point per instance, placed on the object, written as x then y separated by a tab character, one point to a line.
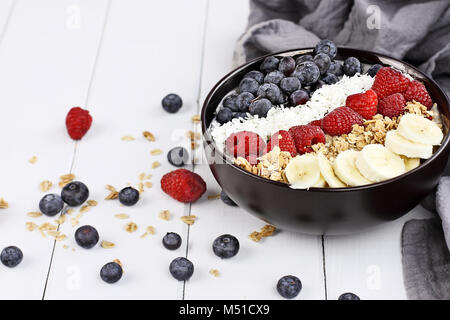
183	185
389	81
317	123
341	121
283	140
363	103
78	122
392	106
416	91
306	136
244	144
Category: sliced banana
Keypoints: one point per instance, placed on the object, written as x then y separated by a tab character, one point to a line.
377	163
303	172
321	183
411	163
345	168
419	129
327	172
402	146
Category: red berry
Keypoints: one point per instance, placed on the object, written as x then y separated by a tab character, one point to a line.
283	140
306	136
340	121
392	106
317	123
416	91
389	81
245	143
183	185
78	122
363	103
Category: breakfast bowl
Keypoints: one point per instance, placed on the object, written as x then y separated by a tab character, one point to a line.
325	211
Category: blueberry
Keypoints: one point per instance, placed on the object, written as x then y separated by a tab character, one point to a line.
260	107
289	287
323	62
240	115
269	91
172	103
178	156
248	85
269	64
226	246
227	200
308	71
51	205
304	58
258	76
224	115
336	68
171	241
86	237
111	272
319	84
181	269
327	47
374	70
348	296
230	102
11	256
352	66
128	196
299	97
274	77
75	193
243	101
290	84
287	65
330	78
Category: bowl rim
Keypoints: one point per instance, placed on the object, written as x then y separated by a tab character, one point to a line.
303	51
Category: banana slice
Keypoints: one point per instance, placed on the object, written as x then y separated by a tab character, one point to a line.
418	129
321	183
303	172
345	168
402	146
327	172
411	163
377	163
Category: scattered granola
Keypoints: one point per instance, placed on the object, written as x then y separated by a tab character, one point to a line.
107	245
141	187
131	227
31	226
155	164
61	219
266	231
189	220
34	214
165	215
114	194
156	152
122	216
33	160
214	197
3	204
128	138
85	208
214	272
193	135
45	185
118	262
194	145
149	136
92	203
65	179
70	211
148	184
196	119
151	230
142	176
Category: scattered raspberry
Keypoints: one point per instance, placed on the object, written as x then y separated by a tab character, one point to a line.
340	121
363	103
392	106
317	123
306	136
416	91
183	185
245	143
389	81
283	140
78	122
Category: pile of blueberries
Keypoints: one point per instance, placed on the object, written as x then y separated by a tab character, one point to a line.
288	81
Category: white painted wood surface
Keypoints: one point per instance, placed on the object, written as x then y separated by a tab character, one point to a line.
118	59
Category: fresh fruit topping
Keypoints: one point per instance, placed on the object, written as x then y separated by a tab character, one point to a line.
326	46
289	287
227	200
75	193
226	246
178	156
244	100
374	70
181	269
336	68
171	241
306	136
269	64
411	163
307	72
287	65
321	183
416	91
327	172
317	123
346	170
183	185
51	205
323	61
290	84
249	85
128	196
269	91
348	296
377	163
230	102
284	141
303	172
329	79
240	115
274	77
224	115
389	81
418	129
340	121
402	146
299	97
78	122
258	76
245	143
111	272
351	66
363	103
11	256
260	108
86	237
304	58
392	106
172	103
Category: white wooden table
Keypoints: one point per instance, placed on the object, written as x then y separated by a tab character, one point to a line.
119	58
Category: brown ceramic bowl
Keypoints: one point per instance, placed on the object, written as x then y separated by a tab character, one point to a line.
326	211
